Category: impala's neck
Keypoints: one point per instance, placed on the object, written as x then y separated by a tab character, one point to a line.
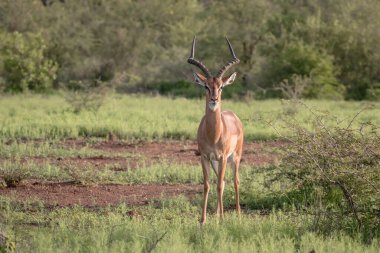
213	121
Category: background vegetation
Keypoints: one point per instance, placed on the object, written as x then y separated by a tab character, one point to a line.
330	46
138	117
323	191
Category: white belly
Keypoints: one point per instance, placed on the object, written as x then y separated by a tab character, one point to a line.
233	144
216	157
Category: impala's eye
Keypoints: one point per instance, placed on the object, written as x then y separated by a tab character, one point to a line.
207	88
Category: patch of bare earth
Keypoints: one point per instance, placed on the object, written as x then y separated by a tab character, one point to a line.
68	194
148	153
254	153
65	194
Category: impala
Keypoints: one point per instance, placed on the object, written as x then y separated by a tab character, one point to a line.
220	134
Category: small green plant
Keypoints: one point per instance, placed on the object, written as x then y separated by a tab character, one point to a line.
86	95
82	175
13	172
6	244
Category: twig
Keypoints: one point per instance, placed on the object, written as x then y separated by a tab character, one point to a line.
154	244
350	202
356	115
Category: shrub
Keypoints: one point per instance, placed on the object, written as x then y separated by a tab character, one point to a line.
25	66
295	87
86	95
342	165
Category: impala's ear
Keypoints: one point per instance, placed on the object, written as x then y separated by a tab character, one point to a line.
200	79
229	79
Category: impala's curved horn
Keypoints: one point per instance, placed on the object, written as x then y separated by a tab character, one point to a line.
197	63
229	64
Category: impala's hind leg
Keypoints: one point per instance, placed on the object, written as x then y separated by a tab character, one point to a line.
206	173
215	166
235	167
220	187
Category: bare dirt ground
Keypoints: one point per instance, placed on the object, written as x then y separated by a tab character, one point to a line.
68	194
257	153
148	153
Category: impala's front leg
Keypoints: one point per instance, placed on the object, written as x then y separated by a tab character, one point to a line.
220	186
206	172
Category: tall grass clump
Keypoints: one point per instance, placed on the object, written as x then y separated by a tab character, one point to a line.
14	172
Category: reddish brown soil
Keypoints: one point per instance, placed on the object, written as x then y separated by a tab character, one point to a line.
65	194
255	153
68	194
148	153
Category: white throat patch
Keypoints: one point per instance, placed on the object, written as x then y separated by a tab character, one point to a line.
213	106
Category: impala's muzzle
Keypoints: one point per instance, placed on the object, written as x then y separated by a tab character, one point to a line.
214	99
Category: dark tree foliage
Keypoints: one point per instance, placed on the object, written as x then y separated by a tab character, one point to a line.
50	2
137	44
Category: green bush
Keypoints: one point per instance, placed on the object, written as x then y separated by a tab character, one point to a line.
299	58
24	64
373	93
179	88
342	165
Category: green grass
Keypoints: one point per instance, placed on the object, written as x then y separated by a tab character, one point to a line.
56	149
133	117
253	192
162	172
36	229
285	227
111	229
